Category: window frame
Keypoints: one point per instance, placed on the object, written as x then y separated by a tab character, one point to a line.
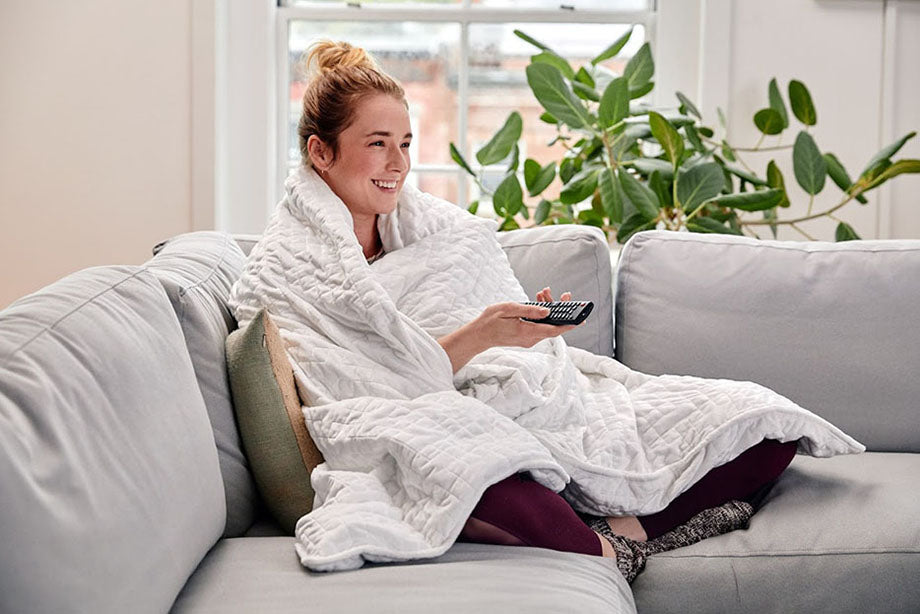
463	13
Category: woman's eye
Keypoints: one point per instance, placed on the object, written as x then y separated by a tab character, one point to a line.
377	144
405	145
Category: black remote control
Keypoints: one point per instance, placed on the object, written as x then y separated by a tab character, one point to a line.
562	313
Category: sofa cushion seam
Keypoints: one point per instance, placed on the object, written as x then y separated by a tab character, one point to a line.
75	309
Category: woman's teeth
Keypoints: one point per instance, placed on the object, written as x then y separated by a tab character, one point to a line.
384	184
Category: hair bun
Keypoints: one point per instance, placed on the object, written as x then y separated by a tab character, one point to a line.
327	55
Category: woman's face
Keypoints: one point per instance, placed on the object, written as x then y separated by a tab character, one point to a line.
373	157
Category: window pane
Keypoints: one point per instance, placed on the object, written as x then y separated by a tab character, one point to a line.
423	57
377	2
595	5
498	83
440	184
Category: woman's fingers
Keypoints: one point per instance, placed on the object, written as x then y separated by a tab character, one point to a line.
566	296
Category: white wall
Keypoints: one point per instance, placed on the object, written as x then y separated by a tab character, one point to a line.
859	61
95	135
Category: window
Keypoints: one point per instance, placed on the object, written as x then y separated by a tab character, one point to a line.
461	65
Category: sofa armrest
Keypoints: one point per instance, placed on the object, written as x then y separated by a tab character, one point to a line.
567	258
832	326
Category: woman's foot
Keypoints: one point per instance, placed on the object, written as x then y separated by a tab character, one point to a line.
708	523
629	557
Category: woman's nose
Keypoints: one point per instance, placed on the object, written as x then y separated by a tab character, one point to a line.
399	159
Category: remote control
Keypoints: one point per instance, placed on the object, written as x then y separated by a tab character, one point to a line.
562	313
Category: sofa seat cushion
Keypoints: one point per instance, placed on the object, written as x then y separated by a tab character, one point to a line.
835	535
262	574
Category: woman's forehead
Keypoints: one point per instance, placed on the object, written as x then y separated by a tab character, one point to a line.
379	114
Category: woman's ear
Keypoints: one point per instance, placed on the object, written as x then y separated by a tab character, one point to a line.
320	153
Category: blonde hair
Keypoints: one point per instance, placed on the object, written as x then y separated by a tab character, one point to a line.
340	77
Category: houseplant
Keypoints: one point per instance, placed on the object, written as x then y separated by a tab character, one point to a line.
626	167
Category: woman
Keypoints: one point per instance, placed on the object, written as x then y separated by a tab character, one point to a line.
355	134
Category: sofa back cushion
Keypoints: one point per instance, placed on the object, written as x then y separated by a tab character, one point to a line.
197	270
567	258
110	487
832	326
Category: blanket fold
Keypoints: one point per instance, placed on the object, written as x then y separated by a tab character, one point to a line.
409	446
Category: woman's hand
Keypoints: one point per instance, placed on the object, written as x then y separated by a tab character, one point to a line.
544	296
499	325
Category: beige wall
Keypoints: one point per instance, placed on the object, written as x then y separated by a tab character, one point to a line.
95	135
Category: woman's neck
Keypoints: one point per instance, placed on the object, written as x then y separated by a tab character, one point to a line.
368	235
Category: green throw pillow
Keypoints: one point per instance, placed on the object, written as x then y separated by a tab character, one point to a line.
279	448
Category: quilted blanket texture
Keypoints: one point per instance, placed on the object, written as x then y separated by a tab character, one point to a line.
409	447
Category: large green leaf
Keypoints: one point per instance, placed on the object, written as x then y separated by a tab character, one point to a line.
776	102
542	211
581	186
515	159
614	105
551	91
508	198
501	143
840	176
886	152
808	164
647	166
584	92
633	224
640	68
531	40
661	189
610	195
613	49
554	59
642	90
845	232
694	137
757	200
691	108
667	136
897	168
537	178
456	157
741	173
699	184
640	195
583	76
768	121
802	106
776	180
711	226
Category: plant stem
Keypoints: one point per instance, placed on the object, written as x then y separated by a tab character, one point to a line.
805	234
807	217
811	202
749	149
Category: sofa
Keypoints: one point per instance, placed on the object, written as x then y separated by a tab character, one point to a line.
125	487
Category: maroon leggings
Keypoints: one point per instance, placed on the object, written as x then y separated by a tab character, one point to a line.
533	515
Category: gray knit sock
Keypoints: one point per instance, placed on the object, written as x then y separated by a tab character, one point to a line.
630	557
708	523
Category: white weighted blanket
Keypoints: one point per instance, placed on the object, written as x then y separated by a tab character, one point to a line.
409	447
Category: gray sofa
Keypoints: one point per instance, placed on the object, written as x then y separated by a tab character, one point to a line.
124	486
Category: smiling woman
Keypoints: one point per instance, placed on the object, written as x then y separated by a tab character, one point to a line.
355	132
